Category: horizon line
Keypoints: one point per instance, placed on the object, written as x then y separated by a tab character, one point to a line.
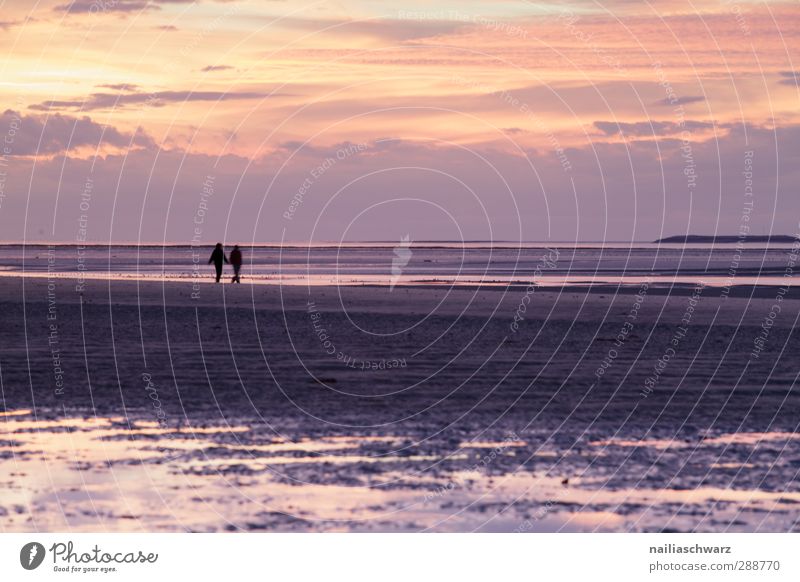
173	243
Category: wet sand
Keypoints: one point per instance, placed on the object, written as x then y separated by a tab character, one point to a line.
149	406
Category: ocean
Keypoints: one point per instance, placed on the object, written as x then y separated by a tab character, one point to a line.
423	263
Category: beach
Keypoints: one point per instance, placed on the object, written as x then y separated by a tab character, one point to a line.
301	271
147	405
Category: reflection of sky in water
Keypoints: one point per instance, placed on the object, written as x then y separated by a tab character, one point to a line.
467	264
466	281
104	473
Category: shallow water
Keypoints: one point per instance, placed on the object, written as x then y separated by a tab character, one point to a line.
554	264
113	473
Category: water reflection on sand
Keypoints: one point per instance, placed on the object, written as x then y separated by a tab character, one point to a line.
120	474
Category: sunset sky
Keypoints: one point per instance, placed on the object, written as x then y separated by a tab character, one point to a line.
369	120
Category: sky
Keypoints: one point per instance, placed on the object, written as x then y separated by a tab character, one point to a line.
275	120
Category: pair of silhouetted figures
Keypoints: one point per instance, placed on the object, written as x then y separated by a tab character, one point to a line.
218	258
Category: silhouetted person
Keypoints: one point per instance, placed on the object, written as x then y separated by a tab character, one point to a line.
218	257
236	261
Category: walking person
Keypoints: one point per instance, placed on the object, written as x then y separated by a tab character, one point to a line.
236	262
218	258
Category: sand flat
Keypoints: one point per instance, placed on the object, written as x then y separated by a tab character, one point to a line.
272	408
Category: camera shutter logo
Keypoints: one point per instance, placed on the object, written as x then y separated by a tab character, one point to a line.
31	555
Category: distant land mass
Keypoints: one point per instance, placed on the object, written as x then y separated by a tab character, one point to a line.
701	238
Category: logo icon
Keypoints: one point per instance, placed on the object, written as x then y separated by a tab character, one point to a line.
31	555
402	255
